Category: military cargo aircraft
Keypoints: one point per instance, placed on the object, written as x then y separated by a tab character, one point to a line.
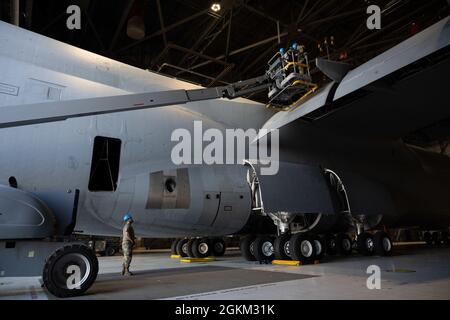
85	139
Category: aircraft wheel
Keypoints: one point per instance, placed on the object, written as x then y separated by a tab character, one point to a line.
70	271
427	238
435	238
320	246
365	244
110	251
281	246
189	248
201	248
173	247
302	248
343	244
263	248
247	247
330	244
383	244
182	246
218	247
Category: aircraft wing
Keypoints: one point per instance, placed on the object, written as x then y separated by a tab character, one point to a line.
397	92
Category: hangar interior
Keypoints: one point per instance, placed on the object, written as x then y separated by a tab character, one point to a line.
186	39
219	43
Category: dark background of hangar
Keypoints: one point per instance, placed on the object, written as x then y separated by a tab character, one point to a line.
187	40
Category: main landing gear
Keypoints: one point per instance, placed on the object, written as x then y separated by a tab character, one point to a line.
198	247
308	248
369	244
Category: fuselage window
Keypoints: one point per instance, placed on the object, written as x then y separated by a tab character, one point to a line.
105	164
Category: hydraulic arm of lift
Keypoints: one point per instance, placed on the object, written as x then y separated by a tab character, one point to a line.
28	114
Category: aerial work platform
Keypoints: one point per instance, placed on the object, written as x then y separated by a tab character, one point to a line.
290	78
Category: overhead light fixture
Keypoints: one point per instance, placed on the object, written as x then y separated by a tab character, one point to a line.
215	7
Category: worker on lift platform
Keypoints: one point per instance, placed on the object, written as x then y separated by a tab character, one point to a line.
289	72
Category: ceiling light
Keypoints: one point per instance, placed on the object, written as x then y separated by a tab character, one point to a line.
215	7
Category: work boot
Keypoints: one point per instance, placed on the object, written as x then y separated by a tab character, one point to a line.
127	272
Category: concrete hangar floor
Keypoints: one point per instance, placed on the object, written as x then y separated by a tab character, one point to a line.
413	272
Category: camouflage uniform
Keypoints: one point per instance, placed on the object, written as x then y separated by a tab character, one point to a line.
127	247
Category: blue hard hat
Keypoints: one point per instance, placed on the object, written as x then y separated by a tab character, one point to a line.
281	50
294	45
127	217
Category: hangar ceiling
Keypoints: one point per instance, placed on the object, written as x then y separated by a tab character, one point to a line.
186	39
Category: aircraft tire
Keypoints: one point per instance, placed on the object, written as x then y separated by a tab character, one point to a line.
444	237
263	249
182	248
173	247
365	244
330	244
246	246
343	244
218	247
59	275
320	246
110	251
281	246
383	244
302	248
201	248
189	248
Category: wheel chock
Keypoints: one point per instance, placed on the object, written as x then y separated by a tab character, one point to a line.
291	262
189	260
287	262
175	256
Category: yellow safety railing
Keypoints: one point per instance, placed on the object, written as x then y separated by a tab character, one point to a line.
312	88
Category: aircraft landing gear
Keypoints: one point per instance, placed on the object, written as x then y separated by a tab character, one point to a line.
383	244
182	248
198	247
303	248
218	247
282	247
344	244
263	249
320	246
365	244
247	247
